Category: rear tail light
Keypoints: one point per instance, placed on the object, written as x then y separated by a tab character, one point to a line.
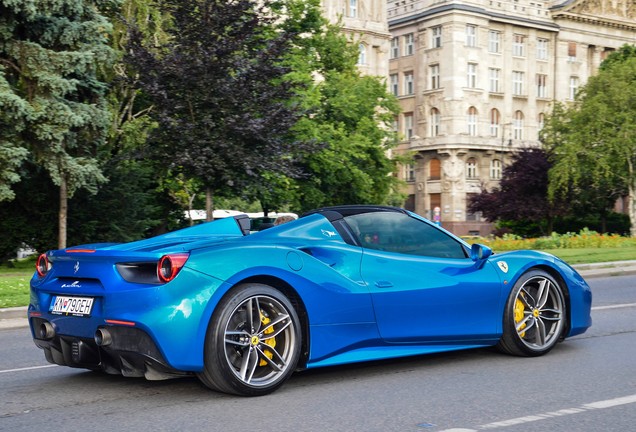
170	265
42	265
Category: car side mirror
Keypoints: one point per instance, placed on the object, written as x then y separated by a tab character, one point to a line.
480	253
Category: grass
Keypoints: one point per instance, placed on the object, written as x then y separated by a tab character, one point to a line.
595	255
14	281
14	288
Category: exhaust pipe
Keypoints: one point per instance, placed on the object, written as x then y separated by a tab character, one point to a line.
103	337
46	331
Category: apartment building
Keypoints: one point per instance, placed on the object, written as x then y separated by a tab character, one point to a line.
475	79
365	21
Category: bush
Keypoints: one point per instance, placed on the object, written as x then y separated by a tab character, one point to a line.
584	239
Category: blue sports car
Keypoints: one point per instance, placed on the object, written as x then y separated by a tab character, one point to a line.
339	285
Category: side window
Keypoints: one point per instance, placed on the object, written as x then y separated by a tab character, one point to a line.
400	233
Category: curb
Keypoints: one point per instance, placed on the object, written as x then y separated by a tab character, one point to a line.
16	317
605	269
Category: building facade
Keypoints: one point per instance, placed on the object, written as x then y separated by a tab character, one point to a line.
475	79
365	21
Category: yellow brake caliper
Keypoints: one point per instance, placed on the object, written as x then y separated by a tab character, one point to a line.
519	308
271	341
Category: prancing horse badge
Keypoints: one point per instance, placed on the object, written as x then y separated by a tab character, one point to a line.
503	266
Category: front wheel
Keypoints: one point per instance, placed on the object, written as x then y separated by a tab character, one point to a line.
535	315
253	342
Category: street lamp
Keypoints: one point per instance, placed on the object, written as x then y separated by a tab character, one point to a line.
503	140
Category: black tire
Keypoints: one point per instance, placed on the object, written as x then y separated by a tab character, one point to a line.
535	315
251	359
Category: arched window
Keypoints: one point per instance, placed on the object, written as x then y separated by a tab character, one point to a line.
471	121
540	121
362	55
471	168
435	122
517	126
495	169
495	121
435	169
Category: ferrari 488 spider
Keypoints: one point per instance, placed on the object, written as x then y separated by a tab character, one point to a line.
339	285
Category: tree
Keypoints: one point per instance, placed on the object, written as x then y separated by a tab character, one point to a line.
352	115
522	194
595	140
53	107
219	93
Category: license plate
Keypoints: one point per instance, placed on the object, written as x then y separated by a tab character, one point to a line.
75	306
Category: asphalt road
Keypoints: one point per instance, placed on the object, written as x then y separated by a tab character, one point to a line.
587	383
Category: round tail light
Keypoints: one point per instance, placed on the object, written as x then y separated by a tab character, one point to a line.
170	265
42	265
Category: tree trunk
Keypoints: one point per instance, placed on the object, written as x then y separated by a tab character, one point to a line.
209	205
62	215
631	205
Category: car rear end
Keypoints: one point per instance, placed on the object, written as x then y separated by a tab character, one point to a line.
133	309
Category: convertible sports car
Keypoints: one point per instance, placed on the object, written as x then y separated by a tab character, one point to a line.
339	285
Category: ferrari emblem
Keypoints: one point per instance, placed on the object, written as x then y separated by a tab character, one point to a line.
503	266
328	233
255	340
76	267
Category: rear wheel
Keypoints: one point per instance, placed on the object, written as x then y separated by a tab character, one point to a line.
253	342
535	315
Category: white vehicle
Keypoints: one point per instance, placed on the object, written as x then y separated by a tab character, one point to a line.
200	215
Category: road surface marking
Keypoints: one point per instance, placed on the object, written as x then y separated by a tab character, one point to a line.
618	306
568	411
27	368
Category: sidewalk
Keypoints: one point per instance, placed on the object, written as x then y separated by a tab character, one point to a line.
17	317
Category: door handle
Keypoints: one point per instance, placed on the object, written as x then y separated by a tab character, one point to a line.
383	284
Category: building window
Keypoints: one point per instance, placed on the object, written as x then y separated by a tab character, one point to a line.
542	49
542	86
540	122
519	45
572	51
435	122
471	35
395	47
408	83
408	125
495	120
493	80
353	8
471	76
395	126
574	87
435	169
517	83
409	172
409	44
495	169
471	121
434	73
517	126
471	168
436	37
494	41
362	54
395	87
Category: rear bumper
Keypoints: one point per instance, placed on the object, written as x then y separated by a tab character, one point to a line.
173	317
130	352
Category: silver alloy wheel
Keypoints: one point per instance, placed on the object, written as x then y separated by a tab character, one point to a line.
260	341
539	314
